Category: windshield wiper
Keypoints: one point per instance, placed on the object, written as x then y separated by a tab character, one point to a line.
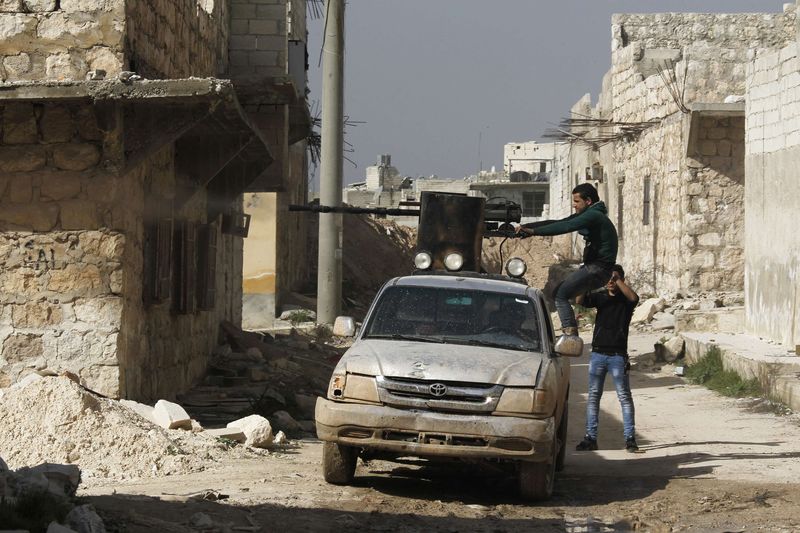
399	337
488	344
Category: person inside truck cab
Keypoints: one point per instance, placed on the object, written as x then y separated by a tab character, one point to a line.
591	221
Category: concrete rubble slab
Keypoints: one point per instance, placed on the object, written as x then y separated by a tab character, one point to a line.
645	311
230	433
145	411
170	415
775	366
256	428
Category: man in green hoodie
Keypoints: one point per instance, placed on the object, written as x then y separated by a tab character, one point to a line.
591	221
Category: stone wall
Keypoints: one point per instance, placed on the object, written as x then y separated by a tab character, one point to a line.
71	259
772	243
60	39
61	244
694	239
177	38
258	43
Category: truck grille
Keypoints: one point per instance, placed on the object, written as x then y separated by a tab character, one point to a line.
438	395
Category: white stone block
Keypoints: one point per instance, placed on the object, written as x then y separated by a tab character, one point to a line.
170	415
645	311
257	430
230	433
145	411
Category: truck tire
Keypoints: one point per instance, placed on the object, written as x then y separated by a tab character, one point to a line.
561	438
338	463
536	480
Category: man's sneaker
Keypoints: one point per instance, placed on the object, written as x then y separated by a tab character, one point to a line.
631	446
587	444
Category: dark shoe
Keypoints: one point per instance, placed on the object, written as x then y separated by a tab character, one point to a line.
631	446
587	444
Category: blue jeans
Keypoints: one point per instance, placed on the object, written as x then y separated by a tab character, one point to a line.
599	366
586	278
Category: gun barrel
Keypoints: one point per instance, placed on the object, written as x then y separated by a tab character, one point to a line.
356	210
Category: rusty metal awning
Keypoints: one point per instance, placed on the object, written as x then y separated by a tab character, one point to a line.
217	145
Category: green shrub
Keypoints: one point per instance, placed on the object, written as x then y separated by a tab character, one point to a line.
300	316
709	372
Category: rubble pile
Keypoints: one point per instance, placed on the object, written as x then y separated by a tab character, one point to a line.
278	378
56	420
43	496
373	251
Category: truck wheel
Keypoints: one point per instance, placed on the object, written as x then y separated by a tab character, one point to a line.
536	480
338	463
561	436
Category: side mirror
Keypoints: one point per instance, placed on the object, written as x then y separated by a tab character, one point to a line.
569	346
345	326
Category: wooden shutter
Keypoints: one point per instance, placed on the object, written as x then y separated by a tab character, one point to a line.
207	266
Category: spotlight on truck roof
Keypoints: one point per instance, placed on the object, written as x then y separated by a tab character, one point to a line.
454	261
516	267
423	260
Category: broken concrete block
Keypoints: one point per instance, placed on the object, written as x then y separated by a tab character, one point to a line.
284	420
62	479
27	380
306	403
145	411
84	519
280	439
647	309
197	427
170	415
55	527
256	428
663	321
673	349
230	433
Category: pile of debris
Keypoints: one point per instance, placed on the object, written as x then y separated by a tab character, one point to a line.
43	496
373	251
55	420
277	377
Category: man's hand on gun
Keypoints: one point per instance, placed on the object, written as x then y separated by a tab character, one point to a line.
523	232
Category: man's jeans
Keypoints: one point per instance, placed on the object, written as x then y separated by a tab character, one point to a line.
599	365
587	278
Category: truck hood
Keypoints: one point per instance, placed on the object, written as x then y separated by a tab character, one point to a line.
443	362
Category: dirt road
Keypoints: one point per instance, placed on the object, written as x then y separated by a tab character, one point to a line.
708	464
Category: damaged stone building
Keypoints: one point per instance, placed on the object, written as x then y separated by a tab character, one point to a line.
665	145
128	135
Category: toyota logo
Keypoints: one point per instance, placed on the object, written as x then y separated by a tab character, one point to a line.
438	389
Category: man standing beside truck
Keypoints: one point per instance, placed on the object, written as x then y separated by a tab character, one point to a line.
591	221
615	307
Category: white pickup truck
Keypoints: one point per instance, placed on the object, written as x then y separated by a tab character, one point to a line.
451	365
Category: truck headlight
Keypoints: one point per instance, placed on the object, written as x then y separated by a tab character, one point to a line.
526	401
336	386
353	387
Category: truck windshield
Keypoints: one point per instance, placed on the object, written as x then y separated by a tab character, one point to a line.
456	316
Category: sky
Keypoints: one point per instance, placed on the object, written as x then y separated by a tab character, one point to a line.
442	85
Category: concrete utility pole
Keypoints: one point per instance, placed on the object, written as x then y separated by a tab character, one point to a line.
329	275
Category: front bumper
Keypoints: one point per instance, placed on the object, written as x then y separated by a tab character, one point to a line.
433	434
